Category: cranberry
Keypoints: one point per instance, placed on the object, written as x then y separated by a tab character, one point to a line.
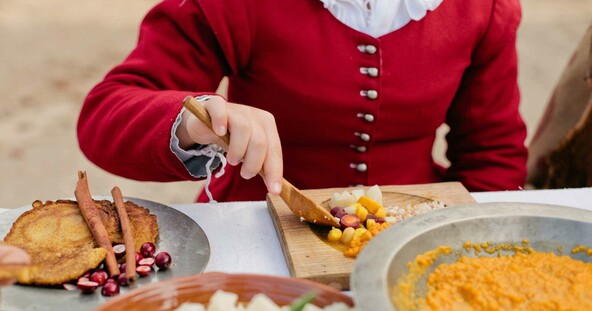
143	270
110	289
69	286
122	280
87	287
119	250
110	281
148	249
138	257
122	267
163	260
147	262
99	276
83	279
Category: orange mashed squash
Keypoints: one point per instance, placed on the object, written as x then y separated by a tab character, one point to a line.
526	280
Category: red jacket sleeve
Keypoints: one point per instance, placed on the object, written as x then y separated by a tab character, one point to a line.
486	139
125	123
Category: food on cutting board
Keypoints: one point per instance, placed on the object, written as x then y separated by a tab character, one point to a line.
228	301
524	279
362	216
62	238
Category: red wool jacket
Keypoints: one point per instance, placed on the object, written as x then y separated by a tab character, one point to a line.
350	109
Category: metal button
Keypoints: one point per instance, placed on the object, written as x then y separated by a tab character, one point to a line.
359	148
373	72
361	167
365	137
372	94
366	116
370	49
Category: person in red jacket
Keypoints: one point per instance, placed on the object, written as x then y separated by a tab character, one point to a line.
355	90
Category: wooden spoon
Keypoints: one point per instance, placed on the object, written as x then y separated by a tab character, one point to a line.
300	204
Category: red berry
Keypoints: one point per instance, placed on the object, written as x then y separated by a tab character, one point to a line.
122	280
69	286
119	250
143	270
138	257
110	289
99	276
148	249
147	262
163	260
87	287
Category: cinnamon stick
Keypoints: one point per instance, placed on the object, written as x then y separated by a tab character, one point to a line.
128	237
93	220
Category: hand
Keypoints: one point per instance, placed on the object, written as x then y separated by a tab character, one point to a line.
9	256
254	139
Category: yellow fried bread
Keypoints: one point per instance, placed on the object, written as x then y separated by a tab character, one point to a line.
144	224
60	244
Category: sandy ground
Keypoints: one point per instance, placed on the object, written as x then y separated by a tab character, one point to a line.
53	52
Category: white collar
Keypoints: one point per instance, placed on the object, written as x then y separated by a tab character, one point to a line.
379	17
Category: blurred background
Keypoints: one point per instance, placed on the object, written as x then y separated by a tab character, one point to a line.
53	52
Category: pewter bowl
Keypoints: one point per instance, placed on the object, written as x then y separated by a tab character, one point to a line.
548	228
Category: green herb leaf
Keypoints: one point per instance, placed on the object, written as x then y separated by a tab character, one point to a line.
299	304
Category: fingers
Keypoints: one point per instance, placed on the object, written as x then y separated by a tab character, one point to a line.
254	139
218	111
241	129
193	131
273	165
12	255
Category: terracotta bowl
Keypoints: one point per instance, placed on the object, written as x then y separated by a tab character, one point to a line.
169	294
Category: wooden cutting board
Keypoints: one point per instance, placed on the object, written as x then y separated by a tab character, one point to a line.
310	257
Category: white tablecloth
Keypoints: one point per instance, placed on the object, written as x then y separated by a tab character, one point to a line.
243	239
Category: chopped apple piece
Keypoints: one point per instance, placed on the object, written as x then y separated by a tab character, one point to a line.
375	194
357	193
342	200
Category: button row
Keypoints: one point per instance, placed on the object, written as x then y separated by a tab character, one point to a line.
370	94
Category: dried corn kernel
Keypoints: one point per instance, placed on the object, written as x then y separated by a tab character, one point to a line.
381	213
347	235
358	232
334	235
362	212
